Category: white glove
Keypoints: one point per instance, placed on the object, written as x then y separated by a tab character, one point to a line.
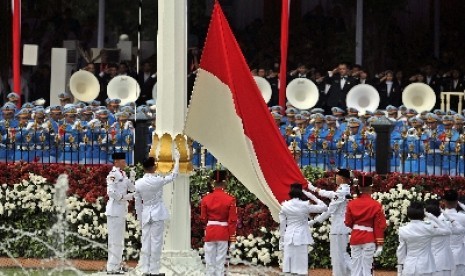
378	251
232	246
311	187
311	222
176	154
281	243
132	174
399	269
310	195
128	196
128	125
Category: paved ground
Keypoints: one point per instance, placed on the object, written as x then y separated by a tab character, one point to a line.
90	265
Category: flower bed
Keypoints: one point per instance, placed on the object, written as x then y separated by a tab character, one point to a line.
26	203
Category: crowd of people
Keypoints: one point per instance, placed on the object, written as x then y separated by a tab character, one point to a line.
333	85
424	143
328	135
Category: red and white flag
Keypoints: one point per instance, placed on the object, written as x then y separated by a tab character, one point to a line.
227	114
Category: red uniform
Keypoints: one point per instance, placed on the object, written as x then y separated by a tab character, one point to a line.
365	212
218	210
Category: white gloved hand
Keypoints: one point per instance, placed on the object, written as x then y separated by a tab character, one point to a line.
310	196
379	250
232	246
281	243
128	196
399	269
128	125
132	174
311	187
176	154
311	222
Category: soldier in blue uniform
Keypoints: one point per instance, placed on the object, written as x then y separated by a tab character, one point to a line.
413	149
368	139
13	98
354	145
65	98
459	122
113	107
339	114
429	137
124	135
38	129
449	145
352	112
7	128
316	144
22	138
73	132
104	141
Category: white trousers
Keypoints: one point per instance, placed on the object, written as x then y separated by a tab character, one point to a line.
362	259
340	259
295	259
459	270
152	244
215	257
419	274
116	228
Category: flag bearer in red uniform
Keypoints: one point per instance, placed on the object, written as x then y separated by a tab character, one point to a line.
218	211
366	218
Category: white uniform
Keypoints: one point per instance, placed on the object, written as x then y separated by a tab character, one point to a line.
118	186
457	241
151	213
442	251
295	233
414	252
339	232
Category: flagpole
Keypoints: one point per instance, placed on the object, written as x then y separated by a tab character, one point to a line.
284	46
171	112
139	30
101	24
17	47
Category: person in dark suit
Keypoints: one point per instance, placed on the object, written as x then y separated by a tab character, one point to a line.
389	92
400	81
341	83
323	87
300	72
273	79
454	83
435	82
146	79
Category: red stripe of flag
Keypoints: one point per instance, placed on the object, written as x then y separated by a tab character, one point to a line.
223	59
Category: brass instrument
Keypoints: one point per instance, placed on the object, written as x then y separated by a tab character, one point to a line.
442	147
458	147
